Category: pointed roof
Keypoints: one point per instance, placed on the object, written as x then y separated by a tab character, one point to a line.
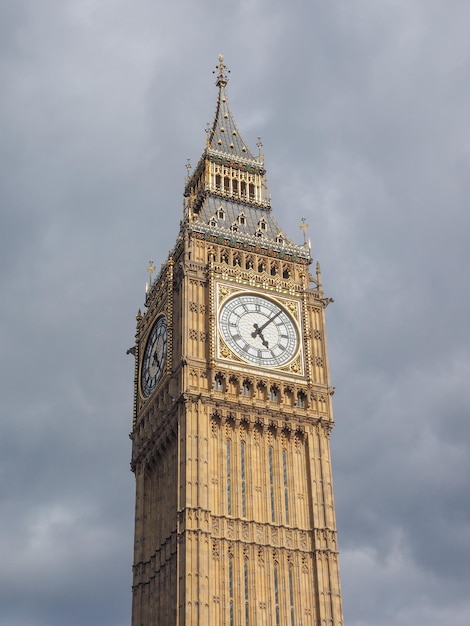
233	206
224	135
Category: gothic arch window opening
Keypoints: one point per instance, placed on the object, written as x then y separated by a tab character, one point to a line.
247	389
274	394
221	213
219	382
301	400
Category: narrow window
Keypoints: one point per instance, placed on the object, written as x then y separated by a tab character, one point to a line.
276	592
291	598
252	191
217	181
235	186
286	492
247	606
230	589
243	188
229	478
273	394
218	383
242	465
271	483
301	399
246	389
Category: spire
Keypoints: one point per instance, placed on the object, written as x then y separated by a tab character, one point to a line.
224	136
227	193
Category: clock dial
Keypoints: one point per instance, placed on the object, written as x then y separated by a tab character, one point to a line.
154	359
258	330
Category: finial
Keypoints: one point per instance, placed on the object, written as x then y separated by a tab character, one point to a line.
150	270
259	145
222	70
208	135
319	285
188	169
304	227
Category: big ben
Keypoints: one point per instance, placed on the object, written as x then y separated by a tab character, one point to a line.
234	516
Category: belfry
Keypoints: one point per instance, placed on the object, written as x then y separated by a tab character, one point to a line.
234	516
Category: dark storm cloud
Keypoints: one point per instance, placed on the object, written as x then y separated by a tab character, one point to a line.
362	109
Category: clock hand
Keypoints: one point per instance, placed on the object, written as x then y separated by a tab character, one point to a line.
259	329
155	358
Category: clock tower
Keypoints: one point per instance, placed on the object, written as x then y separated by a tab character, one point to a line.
234	516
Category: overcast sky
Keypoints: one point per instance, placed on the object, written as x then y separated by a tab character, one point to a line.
363	110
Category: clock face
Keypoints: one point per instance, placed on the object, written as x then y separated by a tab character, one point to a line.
154	357
258	330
